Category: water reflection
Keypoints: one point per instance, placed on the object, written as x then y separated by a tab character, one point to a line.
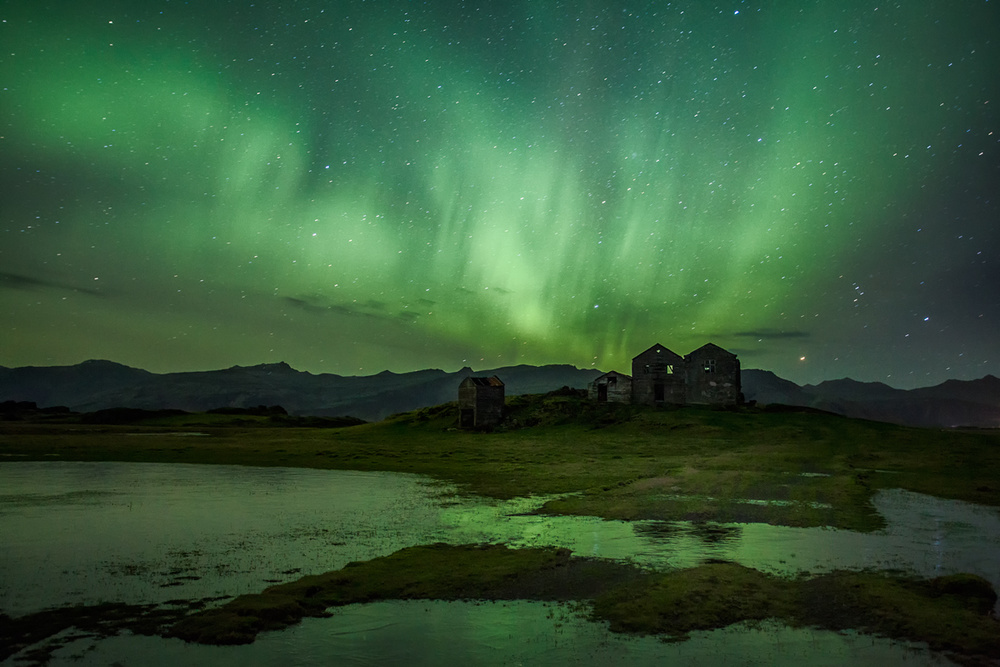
924	535
502	633
708	532
90	532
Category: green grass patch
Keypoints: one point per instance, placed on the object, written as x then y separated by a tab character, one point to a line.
432	572
950	614
620	461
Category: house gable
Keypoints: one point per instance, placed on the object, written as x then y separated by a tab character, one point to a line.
658	376
713	376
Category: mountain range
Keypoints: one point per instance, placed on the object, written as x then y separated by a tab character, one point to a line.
953	403
97	385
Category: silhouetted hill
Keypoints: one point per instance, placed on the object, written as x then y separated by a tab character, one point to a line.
952	403
101	385
766	387
985	390
52	385
852	390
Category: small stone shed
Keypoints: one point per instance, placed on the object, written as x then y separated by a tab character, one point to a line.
612	387
480	402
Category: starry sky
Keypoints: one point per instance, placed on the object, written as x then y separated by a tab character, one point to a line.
358	185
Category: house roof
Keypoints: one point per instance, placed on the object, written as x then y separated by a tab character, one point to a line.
711	348
657	349
613	374
492	381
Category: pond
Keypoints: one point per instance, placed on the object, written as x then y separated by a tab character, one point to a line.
501	633
123	532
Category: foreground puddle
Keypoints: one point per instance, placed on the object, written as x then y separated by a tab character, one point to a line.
83	533
924	535
501	633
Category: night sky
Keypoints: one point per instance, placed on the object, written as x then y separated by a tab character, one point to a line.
355	186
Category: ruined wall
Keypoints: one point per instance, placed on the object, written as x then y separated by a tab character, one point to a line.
612	387
713	376
658	377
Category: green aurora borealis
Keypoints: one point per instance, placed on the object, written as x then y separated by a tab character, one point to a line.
356	186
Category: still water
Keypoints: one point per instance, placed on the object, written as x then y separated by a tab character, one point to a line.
515	633
90	532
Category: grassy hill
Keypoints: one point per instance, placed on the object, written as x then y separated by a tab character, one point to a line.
788	467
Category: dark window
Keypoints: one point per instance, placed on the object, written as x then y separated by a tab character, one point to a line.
710	365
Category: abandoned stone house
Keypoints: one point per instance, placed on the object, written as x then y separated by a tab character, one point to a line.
480	402
709	375
612	387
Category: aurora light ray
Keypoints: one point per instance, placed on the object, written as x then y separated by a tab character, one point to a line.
351	186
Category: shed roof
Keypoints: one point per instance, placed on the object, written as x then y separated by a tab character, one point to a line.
492	381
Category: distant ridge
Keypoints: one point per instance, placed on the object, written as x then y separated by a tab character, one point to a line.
953	403
100	385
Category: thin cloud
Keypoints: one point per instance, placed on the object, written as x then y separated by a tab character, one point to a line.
17	281
320	306
306	305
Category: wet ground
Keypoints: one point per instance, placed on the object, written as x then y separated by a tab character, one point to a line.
138	533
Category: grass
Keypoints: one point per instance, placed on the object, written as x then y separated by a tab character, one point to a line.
437	571
948	613
620	462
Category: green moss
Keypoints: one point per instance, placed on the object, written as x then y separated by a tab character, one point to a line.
702	598
438	571
949	613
